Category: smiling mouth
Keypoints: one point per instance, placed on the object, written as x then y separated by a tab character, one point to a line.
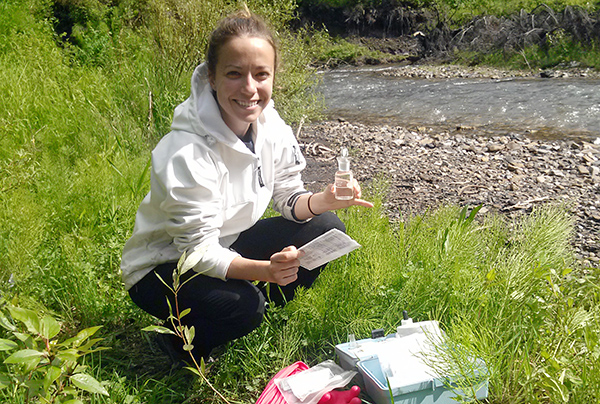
246	104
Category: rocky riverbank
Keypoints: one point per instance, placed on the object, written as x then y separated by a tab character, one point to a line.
438	71
427	168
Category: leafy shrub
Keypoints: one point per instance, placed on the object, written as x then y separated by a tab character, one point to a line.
37	366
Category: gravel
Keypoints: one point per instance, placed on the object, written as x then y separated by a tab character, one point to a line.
433	71
429	167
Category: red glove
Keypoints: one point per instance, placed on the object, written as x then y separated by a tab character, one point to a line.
342	397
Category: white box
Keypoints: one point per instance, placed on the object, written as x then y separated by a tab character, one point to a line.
363	349
428	391
402	356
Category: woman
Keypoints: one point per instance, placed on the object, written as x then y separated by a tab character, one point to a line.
228	154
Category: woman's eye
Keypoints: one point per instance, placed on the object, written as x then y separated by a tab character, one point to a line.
233	74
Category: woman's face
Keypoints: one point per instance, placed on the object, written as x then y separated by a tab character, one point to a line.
243	81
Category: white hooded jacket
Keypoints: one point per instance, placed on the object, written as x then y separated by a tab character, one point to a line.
207	186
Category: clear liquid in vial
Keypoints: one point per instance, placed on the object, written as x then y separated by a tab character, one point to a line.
343	186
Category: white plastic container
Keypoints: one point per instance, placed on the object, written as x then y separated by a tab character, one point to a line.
427	390
350	353
409	328
395	364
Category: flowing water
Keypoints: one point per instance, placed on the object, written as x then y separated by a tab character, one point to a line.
551	108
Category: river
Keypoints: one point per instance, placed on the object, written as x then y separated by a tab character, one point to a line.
567	108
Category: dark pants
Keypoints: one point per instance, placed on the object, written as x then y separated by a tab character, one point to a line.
222	311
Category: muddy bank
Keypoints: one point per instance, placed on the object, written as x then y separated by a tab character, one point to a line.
427	168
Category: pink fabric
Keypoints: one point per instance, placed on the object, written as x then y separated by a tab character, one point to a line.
271	394
342	397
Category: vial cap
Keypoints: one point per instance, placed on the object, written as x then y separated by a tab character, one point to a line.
343	160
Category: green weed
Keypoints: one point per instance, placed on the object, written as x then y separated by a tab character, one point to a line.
36	366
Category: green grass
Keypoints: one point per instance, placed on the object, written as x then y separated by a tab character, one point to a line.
459	10
328	52
77	123
561	51
506	292
466	9
511	298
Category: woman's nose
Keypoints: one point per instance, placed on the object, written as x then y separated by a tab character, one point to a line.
249	84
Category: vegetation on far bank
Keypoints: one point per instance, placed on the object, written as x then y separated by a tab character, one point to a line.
458	10
86	90
515	34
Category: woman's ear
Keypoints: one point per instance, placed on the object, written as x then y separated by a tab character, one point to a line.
211	81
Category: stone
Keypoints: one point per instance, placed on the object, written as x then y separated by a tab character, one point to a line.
516	167
512	145
547	74
495	147
589	158
425	141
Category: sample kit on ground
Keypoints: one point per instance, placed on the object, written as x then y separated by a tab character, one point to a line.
399	368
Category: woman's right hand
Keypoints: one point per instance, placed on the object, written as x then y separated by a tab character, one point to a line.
283	267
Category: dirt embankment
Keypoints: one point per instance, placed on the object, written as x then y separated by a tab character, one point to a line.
427	168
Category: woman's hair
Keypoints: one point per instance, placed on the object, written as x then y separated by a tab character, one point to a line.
243	23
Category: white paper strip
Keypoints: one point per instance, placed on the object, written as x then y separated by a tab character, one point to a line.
325	248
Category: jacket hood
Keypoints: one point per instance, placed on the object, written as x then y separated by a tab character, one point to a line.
200	113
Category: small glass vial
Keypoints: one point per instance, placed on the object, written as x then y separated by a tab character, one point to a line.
352	344
343	177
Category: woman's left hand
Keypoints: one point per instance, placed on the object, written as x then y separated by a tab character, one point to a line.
325	201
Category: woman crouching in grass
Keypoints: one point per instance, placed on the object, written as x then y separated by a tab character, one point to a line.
213	176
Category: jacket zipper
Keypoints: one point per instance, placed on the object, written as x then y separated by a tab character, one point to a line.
258	171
